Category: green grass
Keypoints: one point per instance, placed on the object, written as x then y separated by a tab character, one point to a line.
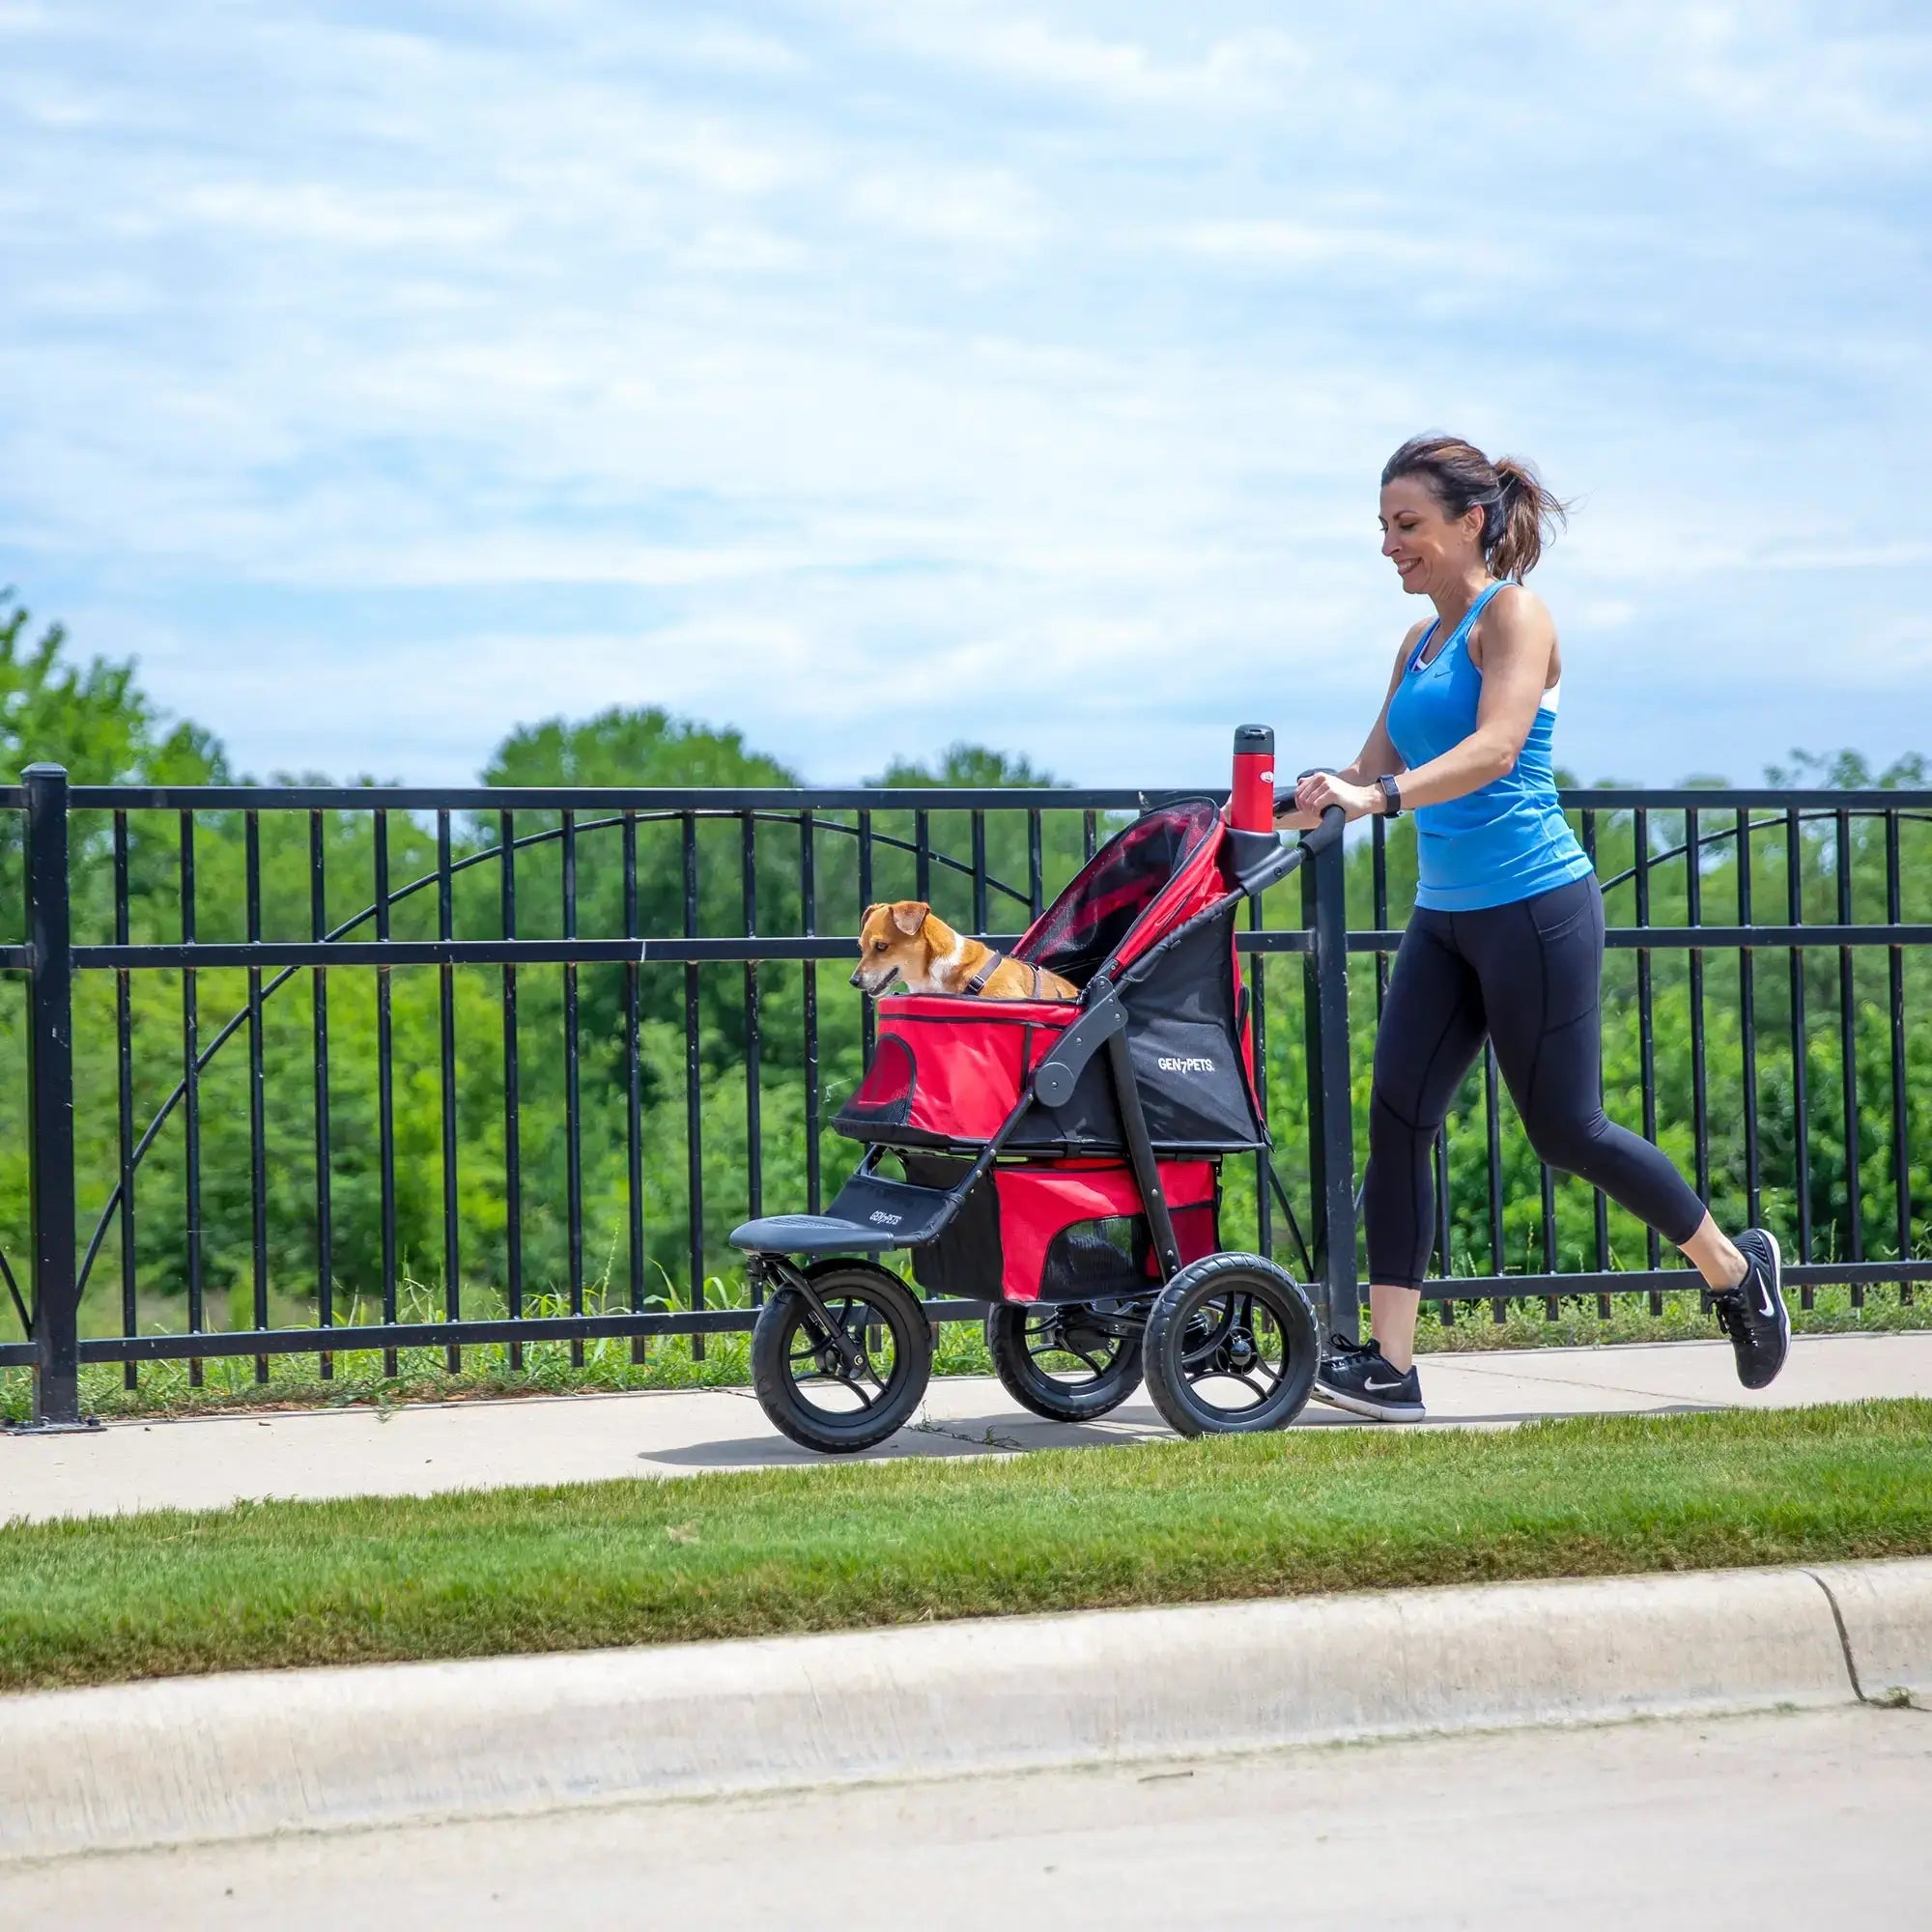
167	1388
839	1546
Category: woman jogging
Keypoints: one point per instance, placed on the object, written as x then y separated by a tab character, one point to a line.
1506	941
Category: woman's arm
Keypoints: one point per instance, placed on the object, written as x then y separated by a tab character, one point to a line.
1518	641
1378	755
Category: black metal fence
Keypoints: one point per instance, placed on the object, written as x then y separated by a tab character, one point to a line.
289	1050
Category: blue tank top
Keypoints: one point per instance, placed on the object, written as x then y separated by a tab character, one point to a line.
1506	841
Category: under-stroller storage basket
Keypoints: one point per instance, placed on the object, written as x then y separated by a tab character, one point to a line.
1080	1233
1071	1232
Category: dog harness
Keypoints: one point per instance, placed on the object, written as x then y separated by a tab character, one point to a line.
977	983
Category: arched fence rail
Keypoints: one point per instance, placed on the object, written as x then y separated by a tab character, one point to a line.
684	980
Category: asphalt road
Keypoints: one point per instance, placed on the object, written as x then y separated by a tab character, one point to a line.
1790	1819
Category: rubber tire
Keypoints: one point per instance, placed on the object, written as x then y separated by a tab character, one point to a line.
777	1394
1169	1387
1005	1341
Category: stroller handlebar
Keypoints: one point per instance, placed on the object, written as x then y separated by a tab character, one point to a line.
1264	859
1328	833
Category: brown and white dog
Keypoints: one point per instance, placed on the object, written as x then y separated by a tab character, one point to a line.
906	941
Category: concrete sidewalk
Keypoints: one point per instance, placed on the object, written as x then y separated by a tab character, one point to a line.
205	1461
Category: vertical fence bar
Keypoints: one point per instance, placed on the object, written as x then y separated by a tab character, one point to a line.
808	886
1600	1204
1551	1308
1441	1154
324	1195
982	913
513	1139
50	1089
869	1024
446	927
1324	911
386	1088
1848	1055
258	1144
1493	1137
573	1091
1748	1026
1090	833
921	844
1800	1048
1379	895
755	1150
1035	866
123	1097
1646	1025
634	1079
693	1073
385	1085
1901	1152
1257	1023
1700	1094
191	1099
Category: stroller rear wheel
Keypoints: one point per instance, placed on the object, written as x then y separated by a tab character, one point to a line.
842	1398
1232	1347
1067	1360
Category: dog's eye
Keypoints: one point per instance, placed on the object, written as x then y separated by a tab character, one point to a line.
878	946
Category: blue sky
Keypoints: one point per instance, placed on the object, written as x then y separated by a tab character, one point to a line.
874	372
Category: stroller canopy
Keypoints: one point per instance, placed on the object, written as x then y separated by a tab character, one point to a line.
1143	882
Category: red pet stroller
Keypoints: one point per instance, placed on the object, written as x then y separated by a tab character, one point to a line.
1060	1161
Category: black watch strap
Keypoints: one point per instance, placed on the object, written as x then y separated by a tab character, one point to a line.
1392	794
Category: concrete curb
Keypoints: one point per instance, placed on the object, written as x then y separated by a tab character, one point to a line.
191	1760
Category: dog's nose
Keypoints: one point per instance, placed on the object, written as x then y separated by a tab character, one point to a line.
859	977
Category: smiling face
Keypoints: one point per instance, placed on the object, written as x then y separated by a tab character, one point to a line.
1430	550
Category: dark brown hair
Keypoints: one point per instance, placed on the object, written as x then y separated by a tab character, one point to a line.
1517	511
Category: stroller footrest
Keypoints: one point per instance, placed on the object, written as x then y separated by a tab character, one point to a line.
871	1214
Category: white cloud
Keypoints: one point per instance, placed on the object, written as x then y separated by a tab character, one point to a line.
931	372
988	208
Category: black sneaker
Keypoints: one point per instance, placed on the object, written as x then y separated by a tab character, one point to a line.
1753	1314
1356	1376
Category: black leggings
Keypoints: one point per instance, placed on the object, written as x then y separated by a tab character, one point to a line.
1529	975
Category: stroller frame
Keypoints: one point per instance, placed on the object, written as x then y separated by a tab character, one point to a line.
829	1302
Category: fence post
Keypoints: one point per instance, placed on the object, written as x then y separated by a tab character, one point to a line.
1331	1150
51	1089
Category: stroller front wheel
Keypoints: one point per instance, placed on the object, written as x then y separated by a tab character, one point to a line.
1068	1361
1232	1347
838	1400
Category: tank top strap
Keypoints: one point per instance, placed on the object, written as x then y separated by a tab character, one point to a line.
1462	629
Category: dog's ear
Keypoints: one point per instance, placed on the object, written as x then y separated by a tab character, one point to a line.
865	916
909	915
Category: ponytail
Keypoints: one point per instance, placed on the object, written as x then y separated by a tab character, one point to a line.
1517	512
1519	523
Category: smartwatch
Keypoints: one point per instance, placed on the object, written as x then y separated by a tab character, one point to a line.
1391	797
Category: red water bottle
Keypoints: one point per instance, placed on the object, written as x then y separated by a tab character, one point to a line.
1252	806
